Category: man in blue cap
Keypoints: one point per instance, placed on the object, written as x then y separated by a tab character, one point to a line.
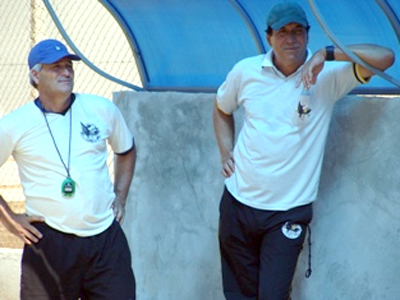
272	171
74	244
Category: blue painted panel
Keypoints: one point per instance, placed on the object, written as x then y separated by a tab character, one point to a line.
190	45
350	21
186	44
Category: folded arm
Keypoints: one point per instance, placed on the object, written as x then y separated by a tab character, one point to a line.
377	56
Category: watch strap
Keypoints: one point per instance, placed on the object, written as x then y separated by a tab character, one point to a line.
330	53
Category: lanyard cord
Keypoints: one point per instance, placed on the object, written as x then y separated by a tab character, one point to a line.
54	141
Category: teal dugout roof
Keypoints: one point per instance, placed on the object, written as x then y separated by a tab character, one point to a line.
190	45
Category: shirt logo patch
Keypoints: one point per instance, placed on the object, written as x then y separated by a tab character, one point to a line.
303	110
291	231
90	133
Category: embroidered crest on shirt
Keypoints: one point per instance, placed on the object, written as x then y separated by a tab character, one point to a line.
291	230
90	133
303	109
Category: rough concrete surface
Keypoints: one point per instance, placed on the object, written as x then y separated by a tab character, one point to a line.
9	273
172	216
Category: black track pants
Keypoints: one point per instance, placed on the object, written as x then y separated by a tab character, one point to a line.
259	249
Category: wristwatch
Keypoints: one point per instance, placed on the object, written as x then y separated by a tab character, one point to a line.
330	53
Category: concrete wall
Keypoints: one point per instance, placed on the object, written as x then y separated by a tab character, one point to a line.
9	273
172	215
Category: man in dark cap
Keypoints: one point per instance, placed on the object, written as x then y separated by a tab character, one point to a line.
272	171
74	244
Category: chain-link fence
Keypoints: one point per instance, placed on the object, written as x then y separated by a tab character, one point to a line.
96	34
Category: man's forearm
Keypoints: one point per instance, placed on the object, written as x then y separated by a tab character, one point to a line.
4	209
224	127
123	174
377	56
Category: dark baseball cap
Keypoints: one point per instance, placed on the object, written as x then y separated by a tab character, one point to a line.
48	52
284	13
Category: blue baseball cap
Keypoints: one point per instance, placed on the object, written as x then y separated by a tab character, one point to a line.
48	52
284	13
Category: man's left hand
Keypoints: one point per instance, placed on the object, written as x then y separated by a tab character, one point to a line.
311	70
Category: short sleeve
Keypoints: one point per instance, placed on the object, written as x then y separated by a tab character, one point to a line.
227	94
121	138
6	147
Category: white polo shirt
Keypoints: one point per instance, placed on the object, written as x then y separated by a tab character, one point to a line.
279	151
25	136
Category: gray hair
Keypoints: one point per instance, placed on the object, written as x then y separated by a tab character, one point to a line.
37	68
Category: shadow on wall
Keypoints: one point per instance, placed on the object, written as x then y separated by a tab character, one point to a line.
356	226
172	215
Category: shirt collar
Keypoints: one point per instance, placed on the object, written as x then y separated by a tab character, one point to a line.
268	64
44	110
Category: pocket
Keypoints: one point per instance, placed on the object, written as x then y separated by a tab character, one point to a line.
302	214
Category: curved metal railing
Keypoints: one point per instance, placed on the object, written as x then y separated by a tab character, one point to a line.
81	55
394	22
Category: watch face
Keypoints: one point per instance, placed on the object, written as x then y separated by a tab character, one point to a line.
68	188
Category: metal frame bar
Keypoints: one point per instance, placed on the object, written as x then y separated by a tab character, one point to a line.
81	55
350	54
252	27
143	72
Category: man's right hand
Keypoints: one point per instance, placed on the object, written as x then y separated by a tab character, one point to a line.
20	225
228	166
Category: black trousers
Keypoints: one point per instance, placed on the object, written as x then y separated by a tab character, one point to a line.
259	249
67	267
